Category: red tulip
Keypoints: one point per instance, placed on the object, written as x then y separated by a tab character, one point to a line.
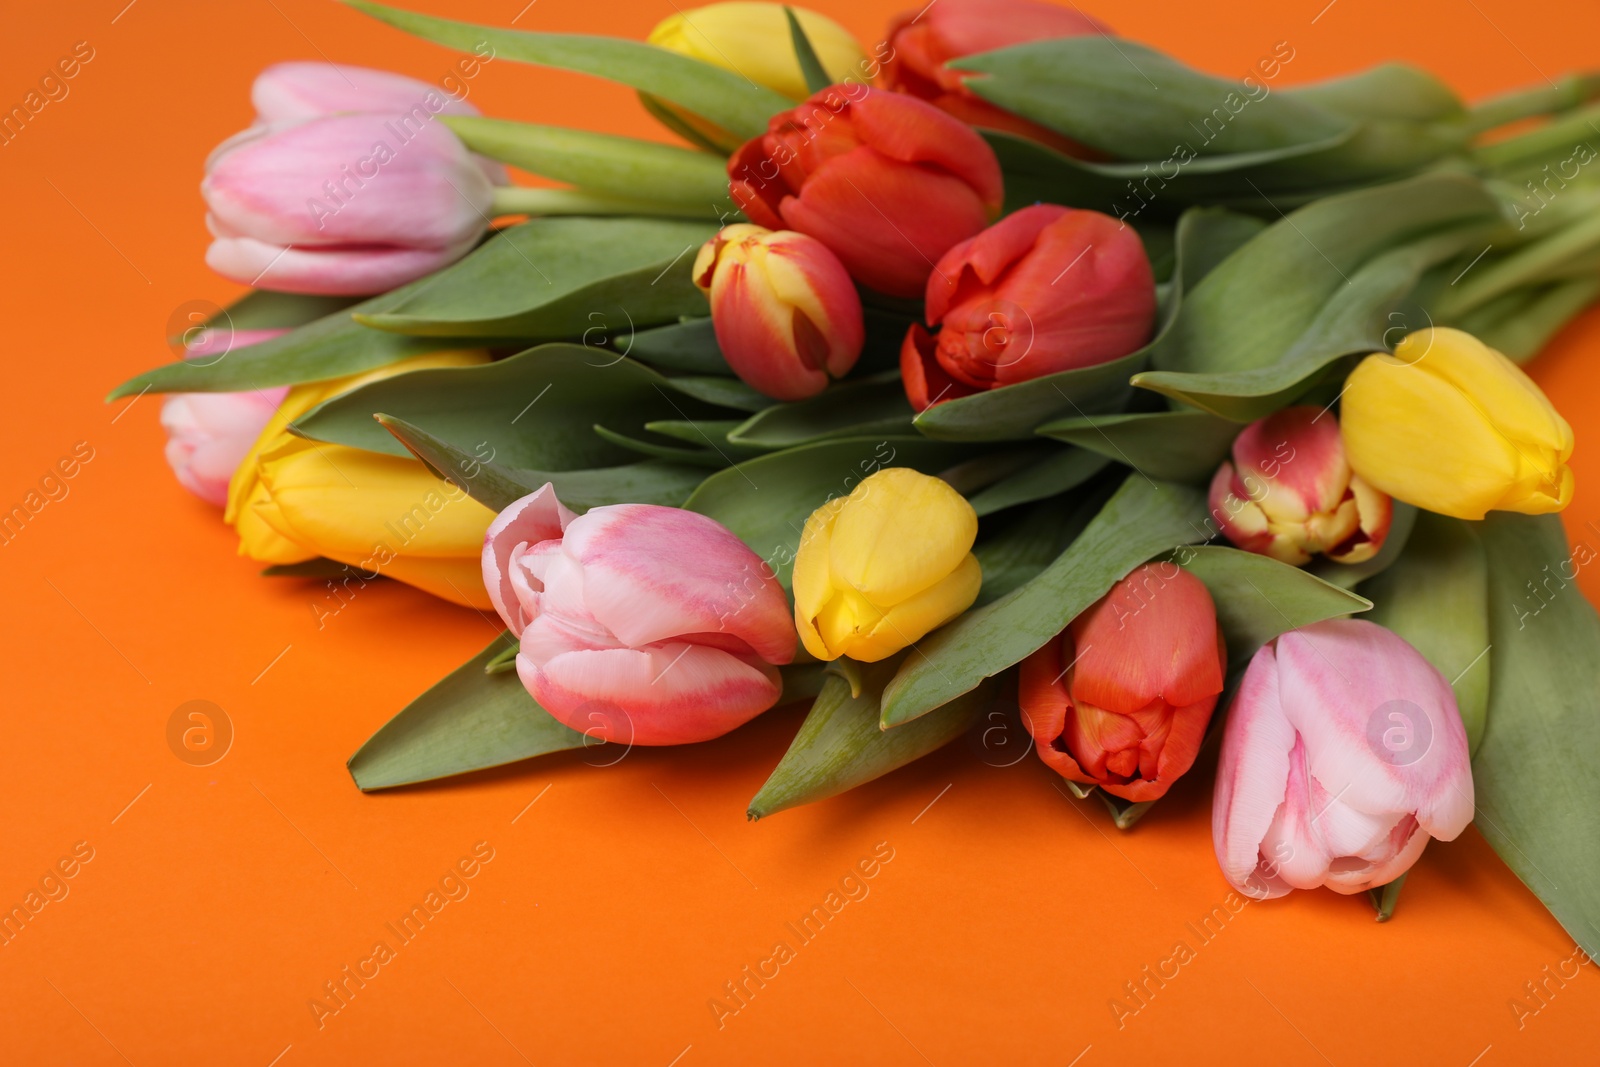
922	42
1122	698
889	183
1043	290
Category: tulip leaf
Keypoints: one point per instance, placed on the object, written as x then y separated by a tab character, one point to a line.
724	97
535	409
875	405
810	66
708	432
1436	596
599	162
496	486
767	500
1027	543
726	392
558	277
1534	778
1143	518
1176	446
1066	469
1258	598
469	720
690	345
265	309
839	745
698	457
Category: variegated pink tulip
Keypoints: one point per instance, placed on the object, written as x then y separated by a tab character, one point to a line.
639	624
209	434
787	316
1343	753
1289	492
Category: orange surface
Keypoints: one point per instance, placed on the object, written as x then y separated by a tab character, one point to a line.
219	900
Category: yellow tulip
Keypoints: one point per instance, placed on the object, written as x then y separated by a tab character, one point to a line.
880	568
753	40
1451	425
293	500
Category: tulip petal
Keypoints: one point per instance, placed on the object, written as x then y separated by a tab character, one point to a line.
1502	391
327	271
1252	777
1042	695
302	90
920	614
914	131
1152	637
537	517
927	383
900	531
812	584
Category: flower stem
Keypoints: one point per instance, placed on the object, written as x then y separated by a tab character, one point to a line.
520	200
1568	93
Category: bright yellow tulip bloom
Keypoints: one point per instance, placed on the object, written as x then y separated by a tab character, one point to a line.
752	39
1451	425
880	568
293	500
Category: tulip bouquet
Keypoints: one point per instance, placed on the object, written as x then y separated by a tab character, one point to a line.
1004	365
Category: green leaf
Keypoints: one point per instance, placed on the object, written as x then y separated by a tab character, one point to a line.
767	500
264	309
535	409
1142	519
1176	446
468	721
690	345
1436	596
558	277
1534	776
1027	542
1258	598
730	100
1066	469
496	486
706	432
698	457
810	66
725	392
839	746
875	405
599	162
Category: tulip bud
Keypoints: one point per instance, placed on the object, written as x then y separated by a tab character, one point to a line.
639	624
1343	754
880	568
209	434
921	43
886	181
752	40
1451	425
1045	289
1122	698
342	205
292	499
1289	493
786	314
303	90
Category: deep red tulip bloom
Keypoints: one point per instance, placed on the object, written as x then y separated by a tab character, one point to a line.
1122	698
1045	289
889	183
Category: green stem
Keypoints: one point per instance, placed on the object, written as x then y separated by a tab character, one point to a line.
1386	897
519	200
1526	266
1568	93
1559	137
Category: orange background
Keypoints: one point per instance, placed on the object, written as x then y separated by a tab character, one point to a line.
614	908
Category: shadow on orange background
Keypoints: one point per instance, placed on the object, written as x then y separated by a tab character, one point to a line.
609	907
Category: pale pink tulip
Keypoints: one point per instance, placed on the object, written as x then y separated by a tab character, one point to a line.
208	434
1343	753
639	624
302	90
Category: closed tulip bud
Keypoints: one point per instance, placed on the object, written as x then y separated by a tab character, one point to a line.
1122	698
1343	753
209	434
752	40
787	318
1289	493
921	43
342	205
887	181
880	568
302	90
1045	289
293	500
1451	425
639	624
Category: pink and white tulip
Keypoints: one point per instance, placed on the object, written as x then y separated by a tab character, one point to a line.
787	316
1343	754
303	90
1289	492
209	434
639	624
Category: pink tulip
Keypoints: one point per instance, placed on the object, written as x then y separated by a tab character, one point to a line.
1343	754
639	624
208	434
301	90
342	205
787	316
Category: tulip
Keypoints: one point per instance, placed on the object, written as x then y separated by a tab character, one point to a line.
1045	289
786	315
639	624
209	434
293	500
886	181
922	42
880	568
342	205
1122	698
752	40
1342	755
302	90
1289	492
1451	425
